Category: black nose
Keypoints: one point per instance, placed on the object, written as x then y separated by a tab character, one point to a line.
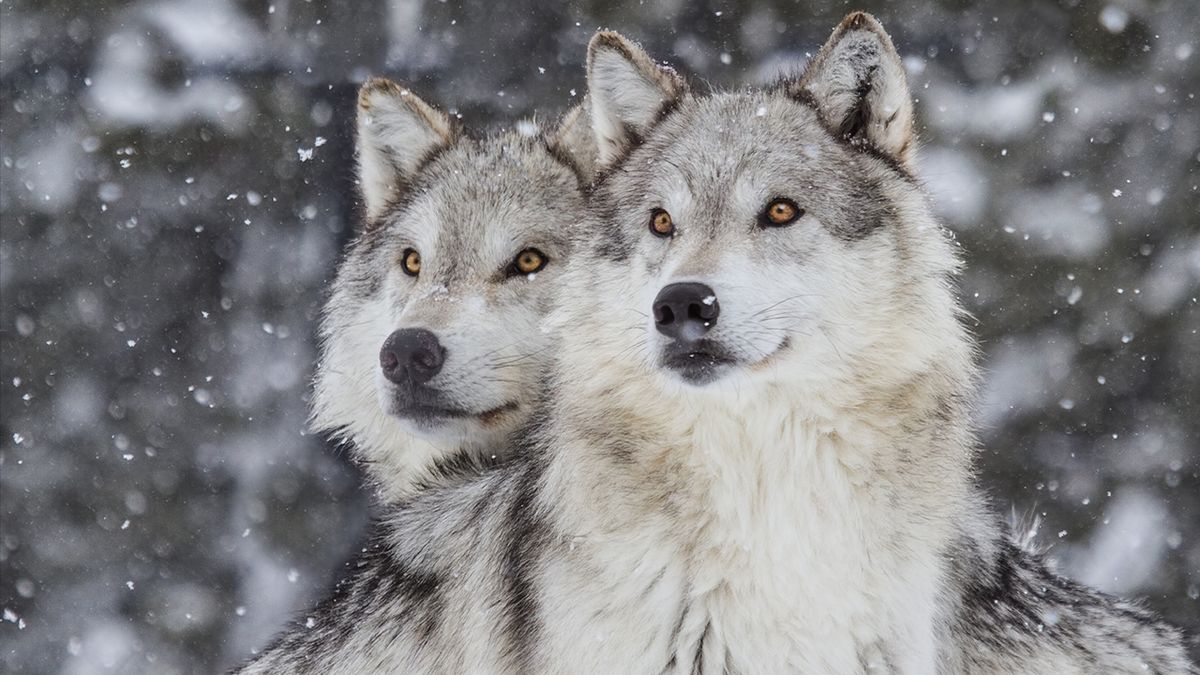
686	311
411	355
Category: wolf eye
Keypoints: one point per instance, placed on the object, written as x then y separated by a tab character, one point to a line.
527	262
780	212
410	260
661	224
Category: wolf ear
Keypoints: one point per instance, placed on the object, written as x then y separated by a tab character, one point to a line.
397	131
574	141
857	83
628	91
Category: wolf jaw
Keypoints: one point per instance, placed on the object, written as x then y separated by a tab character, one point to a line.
433	344
816	514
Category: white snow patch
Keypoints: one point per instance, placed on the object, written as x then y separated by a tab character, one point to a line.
1025	375
1125	554
958	184
1114	19
215	31
998	114
1062	223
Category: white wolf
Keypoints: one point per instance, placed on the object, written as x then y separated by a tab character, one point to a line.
756	457
433	348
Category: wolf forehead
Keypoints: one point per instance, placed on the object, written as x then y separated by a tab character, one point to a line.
489	178
477	200
718	147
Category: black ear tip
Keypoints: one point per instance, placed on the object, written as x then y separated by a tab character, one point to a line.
861	21
379	86
609	39
857	20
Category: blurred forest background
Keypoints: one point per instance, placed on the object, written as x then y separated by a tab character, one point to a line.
177	183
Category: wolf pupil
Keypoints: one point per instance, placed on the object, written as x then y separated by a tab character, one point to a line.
411	262
529	261
661	224
781	212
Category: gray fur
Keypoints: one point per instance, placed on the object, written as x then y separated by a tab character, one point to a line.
468	206
810	507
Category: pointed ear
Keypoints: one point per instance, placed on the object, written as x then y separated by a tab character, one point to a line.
397	131
858	85
574	142
628	91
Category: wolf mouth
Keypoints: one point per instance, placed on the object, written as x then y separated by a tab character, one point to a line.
433	414
697	363
705	361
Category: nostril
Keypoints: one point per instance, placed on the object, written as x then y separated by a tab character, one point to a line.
388	360
665	315
426	358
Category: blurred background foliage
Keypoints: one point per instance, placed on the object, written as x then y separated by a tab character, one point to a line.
177	183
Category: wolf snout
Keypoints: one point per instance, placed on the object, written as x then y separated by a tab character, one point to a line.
686	311
411	356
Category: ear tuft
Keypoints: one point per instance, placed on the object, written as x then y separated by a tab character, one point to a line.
858	84
397	132
628	93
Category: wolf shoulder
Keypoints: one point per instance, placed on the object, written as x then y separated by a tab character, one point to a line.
1015	614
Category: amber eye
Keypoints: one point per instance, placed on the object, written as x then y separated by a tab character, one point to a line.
781	212
410	260
661	224
528	261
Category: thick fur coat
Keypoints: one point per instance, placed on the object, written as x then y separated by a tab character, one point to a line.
772	475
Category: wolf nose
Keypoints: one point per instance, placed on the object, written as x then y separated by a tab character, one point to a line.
411	356
686	311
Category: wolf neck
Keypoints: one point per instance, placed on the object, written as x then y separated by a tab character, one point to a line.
782	501
904	444
401	466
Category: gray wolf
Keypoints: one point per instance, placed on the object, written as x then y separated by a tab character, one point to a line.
433	344
755	454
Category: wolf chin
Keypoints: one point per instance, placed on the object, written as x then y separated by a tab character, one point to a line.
433	341
755	455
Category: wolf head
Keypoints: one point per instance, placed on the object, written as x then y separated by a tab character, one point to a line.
768	236
432	338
